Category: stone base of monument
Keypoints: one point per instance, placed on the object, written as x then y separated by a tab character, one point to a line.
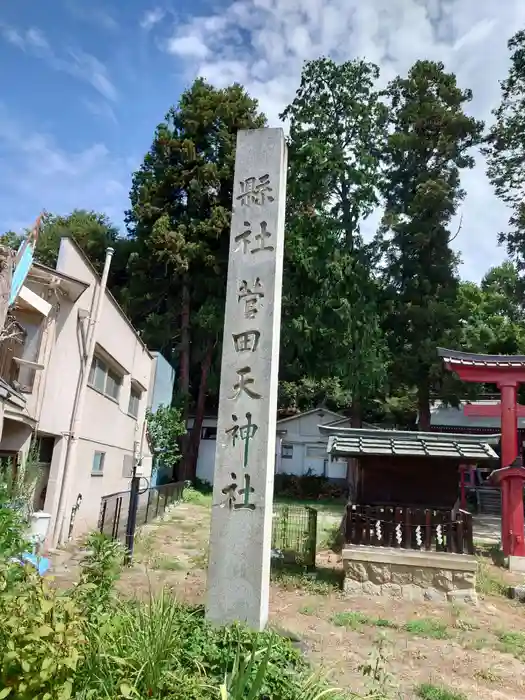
409	574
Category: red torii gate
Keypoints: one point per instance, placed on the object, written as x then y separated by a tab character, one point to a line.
507	372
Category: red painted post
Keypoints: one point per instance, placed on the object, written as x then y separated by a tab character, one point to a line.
516	529
509	423
509	452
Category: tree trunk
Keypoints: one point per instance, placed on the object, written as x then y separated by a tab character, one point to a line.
423	407
184	362
356	421
184	376
195	436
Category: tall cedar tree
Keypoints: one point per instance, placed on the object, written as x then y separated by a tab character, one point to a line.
505	150
337	133
428	145
181	200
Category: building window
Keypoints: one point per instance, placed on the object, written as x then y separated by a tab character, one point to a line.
97	468
134	402
209	433
104	379
287	451
318	452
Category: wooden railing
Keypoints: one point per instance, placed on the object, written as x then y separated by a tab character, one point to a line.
10	348
410	528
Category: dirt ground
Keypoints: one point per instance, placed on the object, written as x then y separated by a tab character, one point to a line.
477	651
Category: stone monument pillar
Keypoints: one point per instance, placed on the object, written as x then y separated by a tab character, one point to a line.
241	522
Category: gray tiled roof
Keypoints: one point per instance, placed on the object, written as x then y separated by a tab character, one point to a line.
352	442
476	359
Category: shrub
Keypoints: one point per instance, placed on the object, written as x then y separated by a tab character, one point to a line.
100	569
307	487
165	649
41	637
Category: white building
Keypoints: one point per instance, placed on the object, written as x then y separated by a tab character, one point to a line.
300	447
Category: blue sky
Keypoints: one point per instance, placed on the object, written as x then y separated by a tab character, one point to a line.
83	85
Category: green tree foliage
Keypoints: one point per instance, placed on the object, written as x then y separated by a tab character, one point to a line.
10	239
491	315
165	427
330	318
505	149
429	144
92	231
180	222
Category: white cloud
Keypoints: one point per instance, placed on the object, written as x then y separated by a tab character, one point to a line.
92	15
90	69
36	174
75	62
100	108
187	46
151	18
30	39
263	44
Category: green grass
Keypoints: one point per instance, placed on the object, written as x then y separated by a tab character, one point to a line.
427	627
321	582
324	506
354	620
512	643
308	610
200	561
428	691
489	582
164	563
197	498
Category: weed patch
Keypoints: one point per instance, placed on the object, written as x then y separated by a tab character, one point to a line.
428	691
167	564
512	643
489	582
308	610
196	498
487	675
322	582
427	627
354	620
200	561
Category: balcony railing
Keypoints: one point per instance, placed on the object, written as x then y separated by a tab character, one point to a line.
410	528
11	347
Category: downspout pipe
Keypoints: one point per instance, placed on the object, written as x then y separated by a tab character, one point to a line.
59	531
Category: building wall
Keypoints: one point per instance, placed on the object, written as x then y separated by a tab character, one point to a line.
402	480
308	447
163	382
105	423
301	434
206	460
163	379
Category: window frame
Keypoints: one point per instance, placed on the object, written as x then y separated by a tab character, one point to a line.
134	393
109	374
209	432
287	450
101	462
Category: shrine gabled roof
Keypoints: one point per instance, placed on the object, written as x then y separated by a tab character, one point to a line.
355	442
479	360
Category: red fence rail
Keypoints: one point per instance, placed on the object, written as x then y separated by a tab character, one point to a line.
410	528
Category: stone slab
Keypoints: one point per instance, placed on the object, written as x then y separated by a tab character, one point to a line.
409	557
517	564
241	522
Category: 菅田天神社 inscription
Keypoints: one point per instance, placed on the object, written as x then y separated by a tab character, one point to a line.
239	560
